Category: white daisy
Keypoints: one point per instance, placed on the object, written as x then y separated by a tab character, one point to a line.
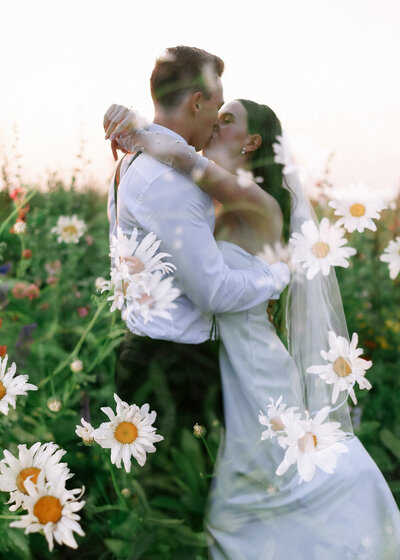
132	257
30	463
320	248
278	252
312	443
273	419
85	431
283	154
344	368
10	386
69	229
358	206
128	434
122	290
52	509
391	255
157	301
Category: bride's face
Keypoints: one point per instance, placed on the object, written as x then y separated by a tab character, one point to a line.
225	146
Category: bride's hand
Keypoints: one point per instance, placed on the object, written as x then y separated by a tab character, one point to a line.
118	119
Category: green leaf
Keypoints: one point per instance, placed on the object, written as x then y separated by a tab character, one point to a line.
391	442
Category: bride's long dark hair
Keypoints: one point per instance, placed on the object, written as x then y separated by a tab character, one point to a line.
263	121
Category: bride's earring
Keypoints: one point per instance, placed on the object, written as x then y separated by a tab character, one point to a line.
243	151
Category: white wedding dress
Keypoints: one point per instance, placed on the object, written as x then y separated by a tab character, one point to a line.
252	513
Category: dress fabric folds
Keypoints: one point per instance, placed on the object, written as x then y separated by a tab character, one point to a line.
252	513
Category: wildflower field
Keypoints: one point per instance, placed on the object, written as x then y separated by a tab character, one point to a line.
56	326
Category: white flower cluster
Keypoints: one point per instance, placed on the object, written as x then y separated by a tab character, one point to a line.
311	442
69	229
137	282
308	442
36	482
129	433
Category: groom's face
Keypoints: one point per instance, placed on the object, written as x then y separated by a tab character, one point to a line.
207	118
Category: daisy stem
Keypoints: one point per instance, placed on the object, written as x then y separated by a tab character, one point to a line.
9	517
203	439
77	348
117	490
16	209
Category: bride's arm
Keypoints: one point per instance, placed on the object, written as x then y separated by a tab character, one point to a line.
237	191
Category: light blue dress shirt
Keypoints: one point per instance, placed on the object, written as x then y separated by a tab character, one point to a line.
154	197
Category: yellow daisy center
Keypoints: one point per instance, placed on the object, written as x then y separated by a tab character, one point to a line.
341	367
357	210
126	432
307	443
47	508
23	475
320	249
135	265
277	424
70	230
3	390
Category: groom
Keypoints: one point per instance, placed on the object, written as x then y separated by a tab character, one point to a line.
173	356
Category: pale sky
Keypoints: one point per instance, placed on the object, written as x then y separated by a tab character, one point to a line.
328	68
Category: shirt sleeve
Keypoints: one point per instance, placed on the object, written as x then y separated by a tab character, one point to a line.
175	209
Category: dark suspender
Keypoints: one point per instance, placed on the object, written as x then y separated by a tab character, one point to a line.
117	178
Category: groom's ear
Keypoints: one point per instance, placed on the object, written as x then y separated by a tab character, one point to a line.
253	143
196	102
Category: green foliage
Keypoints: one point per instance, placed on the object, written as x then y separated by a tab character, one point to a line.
160	512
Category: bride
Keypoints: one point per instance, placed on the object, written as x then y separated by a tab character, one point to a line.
257	509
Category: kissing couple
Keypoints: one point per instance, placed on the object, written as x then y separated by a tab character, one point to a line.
302	489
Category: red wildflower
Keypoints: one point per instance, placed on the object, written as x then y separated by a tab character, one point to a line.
27	253
83	311
3	350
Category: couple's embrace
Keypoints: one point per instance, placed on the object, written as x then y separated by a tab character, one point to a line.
166	187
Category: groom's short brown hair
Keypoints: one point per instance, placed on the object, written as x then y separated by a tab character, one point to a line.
181	70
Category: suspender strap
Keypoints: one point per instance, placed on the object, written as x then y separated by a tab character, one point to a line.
117	177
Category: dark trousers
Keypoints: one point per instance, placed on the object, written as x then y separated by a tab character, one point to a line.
181	382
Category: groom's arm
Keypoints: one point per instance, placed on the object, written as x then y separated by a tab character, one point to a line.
175	209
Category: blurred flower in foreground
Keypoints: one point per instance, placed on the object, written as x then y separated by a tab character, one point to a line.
69	229
320	248
283	154
278	252
27	253
157	302
54	404
51	509
311	443
76	366
391	256
85	431
344	368
10	386
30	462
199	431
358	206
128	434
